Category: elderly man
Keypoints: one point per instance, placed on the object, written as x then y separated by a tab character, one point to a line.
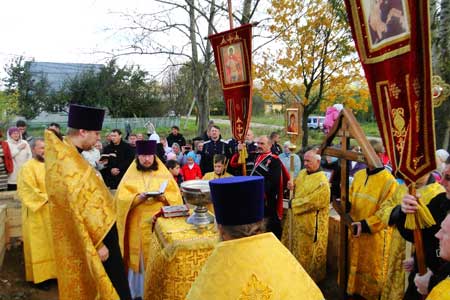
83	219
368	246
37	238
135	207
438	206
248	263
276	177
310	208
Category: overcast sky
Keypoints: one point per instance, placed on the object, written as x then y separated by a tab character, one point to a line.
74	31
66	31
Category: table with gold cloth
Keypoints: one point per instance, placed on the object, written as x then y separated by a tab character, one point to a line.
178	251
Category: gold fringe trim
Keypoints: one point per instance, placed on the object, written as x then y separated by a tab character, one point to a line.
424	217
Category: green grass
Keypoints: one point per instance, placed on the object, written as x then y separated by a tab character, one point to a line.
270	119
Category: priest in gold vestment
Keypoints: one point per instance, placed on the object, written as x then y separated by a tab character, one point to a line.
37	237
135	209
368	247
394	287
310	209
83	219
248	263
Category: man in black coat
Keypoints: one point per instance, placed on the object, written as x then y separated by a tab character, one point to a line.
215	145
276	177
437	268
119	161
175	137
275	139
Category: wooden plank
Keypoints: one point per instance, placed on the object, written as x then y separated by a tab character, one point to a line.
2	256
13	216
13	232
348	155
343	242
2	233
13	222
333	241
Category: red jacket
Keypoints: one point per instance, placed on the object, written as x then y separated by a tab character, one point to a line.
7	158
190	174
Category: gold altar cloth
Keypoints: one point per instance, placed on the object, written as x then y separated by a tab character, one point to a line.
178	252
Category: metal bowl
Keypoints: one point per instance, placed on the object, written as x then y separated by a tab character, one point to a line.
196	192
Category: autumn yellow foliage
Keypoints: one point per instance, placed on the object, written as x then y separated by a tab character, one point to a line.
314	62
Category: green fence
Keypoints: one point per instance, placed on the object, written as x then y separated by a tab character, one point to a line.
111	123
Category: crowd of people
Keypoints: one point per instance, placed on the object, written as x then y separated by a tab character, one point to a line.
68	205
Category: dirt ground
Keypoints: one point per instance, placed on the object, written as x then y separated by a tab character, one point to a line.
14	287
12	280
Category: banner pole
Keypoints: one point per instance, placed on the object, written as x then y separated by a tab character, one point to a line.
230	14
418	242
292	148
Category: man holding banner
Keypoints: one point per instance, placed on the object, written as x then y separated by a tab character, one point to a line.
398	71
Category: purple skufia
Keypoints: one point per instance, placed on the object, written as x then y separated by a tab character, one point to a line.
85	117
145	147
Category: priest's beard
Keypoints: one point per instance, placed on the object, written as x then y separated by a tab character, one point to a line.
39	158
143	168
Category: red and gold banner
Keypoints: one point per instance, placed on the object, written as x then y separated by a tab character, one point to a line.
233	56
393	41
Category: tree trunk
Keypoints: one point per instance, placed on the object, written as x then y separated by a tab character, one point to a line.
203	95
246	11
305	129
434	24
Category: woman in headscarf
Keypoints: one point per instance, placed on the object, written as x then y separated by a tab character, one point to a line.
20	152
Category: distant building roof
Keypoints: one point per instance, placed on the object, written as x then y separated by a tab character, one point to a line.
57	73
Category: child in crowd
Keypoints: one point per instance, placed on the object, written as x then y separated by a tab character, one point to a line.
191	170
220	166
174	168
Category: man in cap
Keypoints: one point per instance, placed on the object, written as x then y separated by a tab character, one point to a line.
135	207
83	219
37	238
248	263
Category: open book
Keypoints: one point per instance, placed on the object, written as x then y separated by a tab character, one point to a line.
162	189
107	156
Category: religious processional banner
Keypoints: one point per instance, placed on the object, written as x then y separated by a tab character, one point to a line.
393	42
232	53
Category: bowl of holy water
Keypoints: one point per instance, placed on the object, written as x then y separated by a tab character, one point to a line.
197	193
